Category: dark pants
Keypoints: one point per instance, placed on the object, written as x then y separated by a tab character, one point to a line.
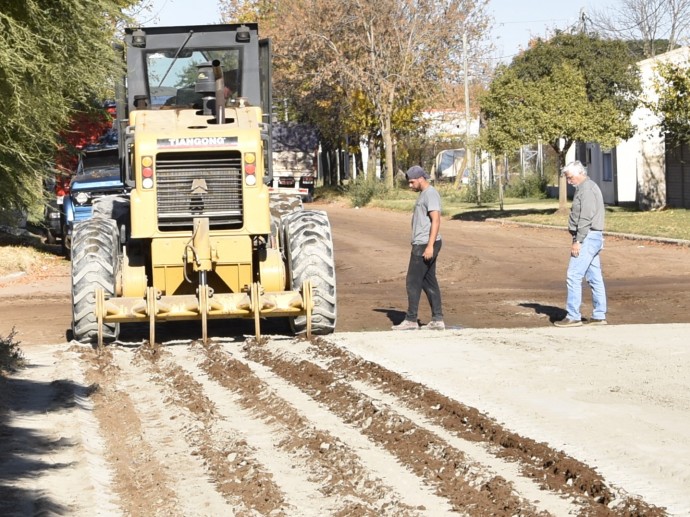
421	276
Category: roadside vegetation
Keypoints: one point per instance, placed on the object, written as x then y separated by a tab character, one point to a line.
22	259
671	223
11	356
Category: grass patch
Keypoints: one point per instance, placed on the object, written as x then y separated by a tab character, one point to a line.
11	356
15	259
329	194
673	223
24	253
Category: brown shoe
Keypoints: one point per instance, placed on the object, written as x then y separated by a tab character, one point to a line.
568	323
594	321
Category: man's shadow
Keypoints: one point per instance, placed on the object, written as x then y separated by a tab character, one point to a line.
554	313
395	316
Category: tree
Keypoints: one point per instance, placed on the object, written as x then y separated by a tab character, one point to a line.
673	105
658	25
569	88
393	52
47	70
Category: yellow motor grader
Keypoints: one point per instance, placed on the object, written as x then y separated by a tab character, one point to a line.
194	236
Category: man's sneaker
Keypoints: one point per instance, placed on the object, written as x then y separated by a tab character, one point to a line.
568	323
434	325
406	325
595	321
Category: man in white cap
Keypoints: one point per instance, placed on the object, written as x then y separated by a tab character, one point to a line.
426	244
586	224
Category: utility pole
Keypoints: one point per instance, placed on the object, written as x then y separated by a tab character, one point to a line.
582	24
469	156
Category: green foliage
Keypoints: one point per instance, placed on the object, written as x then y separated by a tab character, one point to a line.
54	56
10	355
673	106
532	186
486	194
363	190
449	192
578	87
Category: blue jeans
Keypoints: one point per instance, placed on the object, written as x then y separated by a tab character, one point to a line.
421	276
587	265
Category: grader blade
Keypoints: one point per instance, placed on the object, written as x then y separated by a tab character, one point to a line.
100	309
151	310
255	297
307	303
203	309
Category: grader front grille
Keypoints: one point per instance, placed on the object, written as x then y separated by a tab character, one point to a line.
199	184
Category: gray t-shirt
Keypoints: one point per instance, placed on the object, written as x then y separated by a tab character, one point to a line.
428	200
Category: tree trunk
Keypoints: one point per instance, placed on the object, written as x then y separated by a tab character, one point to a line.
562	184
359	164
371	158
389	174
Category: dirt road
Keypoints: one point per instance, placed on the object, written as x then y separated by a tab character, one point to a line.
500	418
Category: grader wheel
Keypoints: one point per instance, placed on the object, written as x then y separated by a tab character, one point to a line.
309	253
95	264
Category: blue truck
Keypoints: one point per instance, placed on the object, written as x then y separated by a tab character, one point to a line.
97	176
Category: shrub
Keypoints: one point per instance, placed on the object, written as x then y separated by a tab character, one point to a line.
10	354
363	190
532	186
489	194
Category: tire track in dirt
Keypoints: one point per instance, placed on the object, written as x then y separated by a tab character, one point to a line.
176	430
139	478
343	461
292	427
560	473
230	462
555	471
434	461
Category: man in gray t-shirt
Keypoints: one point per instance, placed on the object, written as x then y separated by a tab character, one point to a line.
426	244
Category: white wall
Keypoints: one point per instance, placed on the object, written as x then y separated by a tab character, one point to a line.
641	160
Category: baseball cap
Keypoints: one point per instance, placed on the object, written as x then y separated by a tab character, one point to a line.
416	172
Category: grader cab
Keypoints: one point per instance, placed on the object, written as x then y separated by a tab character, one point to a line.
194	237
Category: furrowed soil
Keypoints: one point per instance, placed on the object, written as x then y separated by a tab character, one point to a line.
501	414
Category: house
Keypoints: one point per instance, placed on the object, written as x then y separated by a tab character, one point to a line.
642	171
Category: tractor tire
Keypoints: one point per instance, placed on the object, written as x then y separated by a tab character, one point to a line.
282	204
95	263
309	255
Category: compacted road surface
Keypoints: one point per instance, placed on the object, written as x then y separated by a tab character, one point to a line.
502	414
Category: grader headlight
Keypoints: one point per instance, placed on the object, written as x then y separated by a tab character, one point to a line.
250	169
147	172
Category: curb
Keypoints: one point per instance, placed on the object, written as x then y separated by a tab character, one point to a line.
630	236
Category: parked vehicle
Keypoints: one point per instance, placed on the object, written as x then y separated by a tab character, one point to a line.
295	150
451	162
97	176
53	213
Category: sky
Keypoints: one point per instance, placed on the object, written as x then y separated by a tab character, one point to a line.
515	21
